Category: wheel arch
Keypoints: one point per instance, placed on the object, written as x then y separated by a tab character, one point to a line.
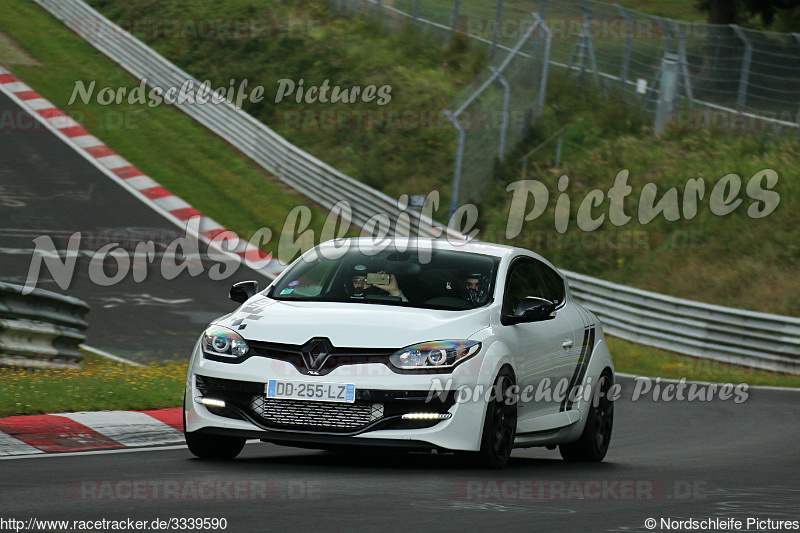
599	361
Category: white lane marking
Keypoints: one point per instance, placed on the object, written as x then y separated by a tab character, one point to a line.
128	427
95	452
673	380
17	86
12	446
113	161
207	224
61	123
170	203
39	103
111	356
87	141
142	182
107	452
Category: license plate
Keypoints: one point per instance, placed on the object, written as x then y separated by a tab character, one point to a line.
302	390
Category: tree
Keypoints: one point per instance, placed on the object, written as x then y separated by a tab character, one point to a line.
733	11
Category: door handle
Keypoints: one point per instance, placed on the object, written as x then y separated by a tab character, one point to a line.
567	344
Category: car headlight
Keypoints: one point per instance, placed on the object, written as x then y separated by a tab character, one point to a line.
224	342
434	355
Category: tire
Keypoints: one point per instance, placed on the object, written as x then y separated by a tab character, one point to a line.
500	423
593	442
217	447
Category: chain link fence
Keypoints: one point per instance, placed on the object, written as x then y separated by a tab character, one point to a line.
685	75
713	76
495	111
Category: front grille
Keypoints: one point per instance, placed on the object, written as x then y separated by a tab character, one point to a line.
373	409
308	415
338	356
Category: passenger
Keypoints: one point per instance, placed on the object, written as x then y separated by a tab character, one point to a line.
475	289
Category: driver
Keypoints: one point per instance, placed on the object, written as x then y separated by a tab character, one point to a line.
358	287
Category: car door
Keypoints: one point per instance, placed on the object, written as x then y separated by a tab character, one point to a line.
541	349
577	355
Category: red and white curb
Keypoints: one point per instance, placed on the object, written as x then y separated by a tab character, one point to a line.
80	432
120	170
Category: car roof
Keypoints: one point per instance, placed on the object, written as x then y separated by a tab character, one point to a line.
473	246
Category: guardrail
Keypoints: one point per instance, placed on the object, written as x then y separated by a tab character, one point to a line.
41	329
768	342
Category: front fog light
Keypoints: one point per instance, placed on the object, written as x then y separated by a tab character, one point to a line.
224	342
427	416
435	354
210	402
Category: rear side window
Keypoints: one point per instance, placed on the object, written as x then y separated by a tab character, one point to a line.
554	284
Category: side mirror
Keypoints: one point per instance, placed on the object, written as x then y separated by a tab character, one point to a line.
532	309
243	291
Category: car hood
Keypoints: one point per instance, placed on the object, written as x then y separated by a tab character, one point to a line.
350	324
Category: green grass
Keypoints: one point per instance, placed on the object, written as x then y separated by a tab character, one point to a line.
100	384
169	146
631	358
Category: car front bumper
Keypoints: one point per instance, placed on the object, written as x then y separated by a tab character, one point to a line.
374	419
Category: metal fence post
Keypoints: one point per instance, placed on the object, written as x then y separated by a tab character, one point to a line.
626	55
415	11
459	156
797	36
667	34
651	89
715	59
592	57
497	16
588	42
748	55
504	126
545	64
667	91
683	62
454	22
379	8
558	150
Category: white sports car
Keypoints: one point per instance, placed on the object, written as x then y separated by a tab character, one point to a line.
472	347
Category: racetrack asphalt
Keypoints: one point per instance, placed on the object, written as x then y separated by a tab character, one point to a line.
667	460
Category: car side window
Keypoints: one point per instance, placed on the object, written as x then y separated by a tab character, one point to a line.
523	280
554	284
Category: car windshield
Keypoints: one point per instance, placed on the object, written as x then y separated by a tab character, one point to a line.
442	279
